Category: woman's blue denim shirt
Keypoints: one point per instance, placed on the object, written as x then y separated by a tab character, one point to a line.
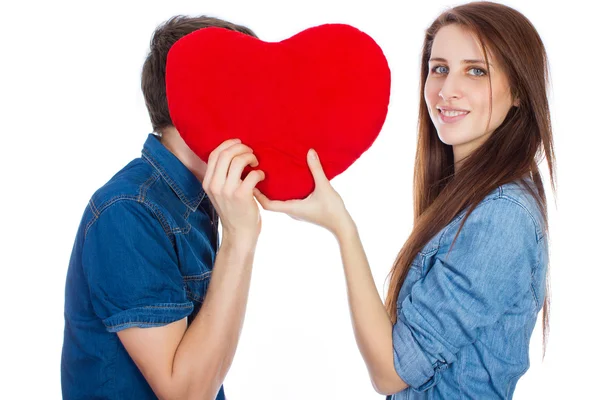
142	257
465	316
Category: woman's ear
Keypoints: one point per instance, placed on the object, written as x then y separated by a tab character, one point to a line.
516	98
514	93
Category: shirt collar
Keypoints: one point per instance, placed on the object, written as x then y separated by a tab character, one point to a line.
185	184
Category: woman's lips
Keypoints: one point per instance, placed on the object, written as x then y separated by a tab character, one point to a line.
449	116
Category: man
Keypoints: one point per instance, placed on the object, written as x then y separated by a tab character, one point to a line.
151	308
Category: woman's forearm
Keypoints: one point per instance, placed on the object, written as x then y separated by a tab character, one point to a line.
370	321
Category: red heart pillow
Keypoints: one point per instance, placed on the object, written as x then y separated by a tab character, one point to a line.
326	88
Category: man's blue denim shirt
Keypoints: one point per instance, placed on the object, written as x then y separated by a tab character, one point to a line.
467	310
142	257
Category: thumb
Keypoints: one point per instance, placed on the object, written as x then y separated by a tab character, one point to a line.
316	168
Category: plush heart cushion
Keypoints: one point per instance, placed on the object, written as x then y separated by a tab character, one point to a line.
326	88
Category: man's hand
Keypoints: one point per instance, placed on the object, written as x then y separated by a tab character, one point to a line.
231	196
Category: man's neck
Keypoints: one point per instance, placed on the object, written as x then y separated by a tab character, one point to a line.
172	140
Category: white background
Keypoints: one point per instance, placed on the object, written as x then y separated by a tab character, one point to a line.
72	114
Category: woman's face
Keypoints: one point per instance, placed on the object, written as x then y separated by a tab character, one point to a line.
457	91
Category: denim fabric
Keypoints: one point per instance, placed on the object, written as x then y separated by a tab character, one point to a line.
143	257
465	316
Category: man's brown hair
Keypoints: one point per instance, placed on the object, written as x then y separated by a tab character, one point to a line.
153	71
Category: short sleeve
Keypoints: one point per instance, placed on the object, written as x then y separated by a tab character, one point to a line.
486	273
132	269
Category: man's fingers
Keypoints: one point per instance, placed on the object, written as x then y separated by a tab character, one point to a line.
224	161
212	160
237	166
252	180
226	144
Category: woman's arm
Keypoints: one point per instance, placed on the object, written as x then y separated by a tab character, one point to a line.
370	321
371	324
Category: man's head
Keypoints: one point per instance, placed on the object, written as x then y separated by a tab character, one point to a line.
153	71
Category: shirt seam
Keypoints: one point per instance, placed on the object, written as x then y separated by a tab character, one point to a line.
135	323
188	226
199	277
153	208
96	211
176	188
500	196
538	231
170	306
93	208
460	217
533	292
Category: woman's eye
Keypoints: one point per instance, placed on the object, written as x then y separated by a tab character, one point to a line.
476	72
439	69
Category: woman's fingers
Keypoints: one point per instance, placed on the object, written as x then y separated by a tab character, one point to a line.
263	200
323	206
291	207
316	169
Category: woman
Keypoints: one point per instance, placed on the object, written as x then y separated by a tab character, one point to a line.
469	282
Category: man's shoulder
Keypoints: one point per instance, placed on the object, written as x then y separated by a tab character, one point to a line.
131	183
135	193
128	198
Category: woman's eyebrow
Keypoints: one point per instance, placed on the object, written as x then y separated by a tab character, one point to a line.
439	59
476	62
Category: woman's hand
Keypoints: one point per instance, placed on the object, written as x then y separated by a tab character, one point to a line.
323	206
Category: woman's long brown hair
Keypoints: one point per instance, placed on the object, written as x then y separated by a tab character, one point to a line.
512	153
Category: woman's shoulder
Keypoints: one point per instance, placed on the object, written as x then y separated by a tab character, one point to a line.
513	203
512	206
522	197
509	206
